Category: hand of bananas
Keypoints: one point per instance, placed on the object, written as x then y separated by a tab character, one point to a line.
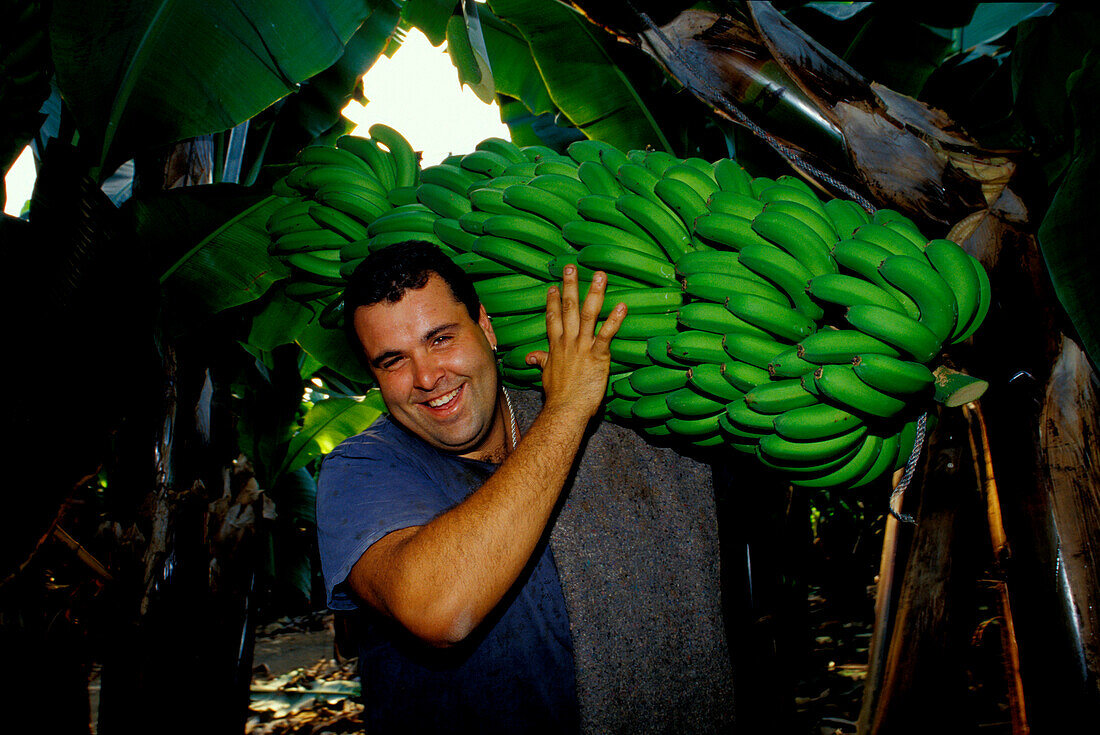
760	317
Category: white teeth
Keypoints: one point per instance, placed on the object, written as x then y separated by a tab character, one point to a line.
437	402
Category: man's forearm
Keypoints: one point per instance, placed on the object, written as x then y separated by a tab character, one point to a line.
447	575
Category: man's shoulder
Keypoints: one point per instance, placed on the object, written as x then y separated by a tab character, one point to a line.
383	438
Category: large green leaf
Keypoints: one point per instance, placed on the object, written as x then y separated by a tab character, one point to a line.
316	107
280	321
227	263
330	347
1066	235
147	72
327	424
581	75
430	16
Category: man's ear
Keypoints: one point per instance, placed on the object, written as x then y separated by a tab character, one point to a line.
486	325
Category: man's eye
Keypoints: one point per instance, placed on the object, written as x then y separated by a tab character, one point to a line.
442	339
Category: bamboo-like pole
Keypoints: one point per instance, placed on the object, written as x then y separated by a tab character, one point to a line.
987	482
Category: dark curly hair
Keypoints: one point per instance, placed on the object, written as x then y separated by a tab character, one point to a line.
386	274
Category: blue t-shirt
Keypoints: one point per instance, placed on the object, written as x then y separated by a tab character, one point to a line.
514	674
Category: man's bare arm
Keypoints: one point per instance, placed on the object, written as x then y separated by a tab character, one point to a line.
441	579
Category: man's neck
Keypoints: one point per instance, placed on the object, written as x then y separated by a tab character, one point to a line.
499	443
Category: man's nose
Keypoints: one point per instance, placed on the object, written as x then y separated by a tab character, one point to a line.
428	371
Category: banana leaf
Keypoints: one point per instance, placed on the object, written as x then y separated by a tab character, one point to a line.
575	60
330	347
149	72
1065	234
430	16
218	242
315	109
280	321
327	424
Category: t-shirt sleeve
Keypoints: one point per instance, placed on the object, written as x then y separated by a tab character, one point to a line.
365	491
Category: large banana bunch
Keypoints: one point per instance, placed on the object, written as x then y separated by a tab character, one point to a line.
760	317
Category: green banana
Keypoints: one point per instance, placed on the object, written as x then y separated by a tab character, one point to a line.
781	449
408	220
316	269
307	242
568	188
583	234
406	161
834	346
984	299
845	290
590	150
850	471
556	269
490	200
516	255
534	231
451	232
884	461
600	208
796	238
887	239
537	201
455	178
659	161
708	378
658	379
777	319
681	199
598	179
784	271
629	351
716	318
620	408
840	385
743	376
503	148
511	282
488	163
695	428
863	258
621	388
931	293
661	225
821	225
731	177
442	201
728	231
788	364
703	183
473	223
787	191
480	267
378	160
522	331
907	439
778	396
908	335
845	216
522	300
638	179
696	347
644	326
815	422
651	408
754	350
643	301
956	267
524	169
629	263
718	287
686	402
333	219
740	205
742	416
909	231
323	155
891	375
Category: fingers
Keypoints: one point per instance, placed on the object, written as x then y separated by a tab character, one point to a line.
593	302
537	358
611	325
553	314
570	302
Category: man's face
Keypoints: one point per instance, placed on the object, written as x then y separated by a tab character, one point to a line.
435	368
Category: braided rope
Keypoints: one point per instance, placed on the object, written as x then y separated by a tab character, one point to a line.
907	477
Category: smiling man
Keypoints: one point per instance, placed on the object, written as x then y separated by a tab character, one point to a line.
435	526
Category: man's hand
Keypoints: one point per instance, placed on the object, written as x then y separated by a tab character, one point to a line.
576	368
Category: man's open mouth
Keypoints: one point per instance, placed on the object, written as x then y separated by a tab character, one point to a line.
443	400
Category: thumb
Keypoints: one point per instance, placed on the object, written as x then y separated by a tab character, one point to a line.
538	358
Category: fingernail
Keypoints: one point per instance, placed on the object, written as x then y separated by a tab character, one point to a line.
531	360
599	277
569	270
